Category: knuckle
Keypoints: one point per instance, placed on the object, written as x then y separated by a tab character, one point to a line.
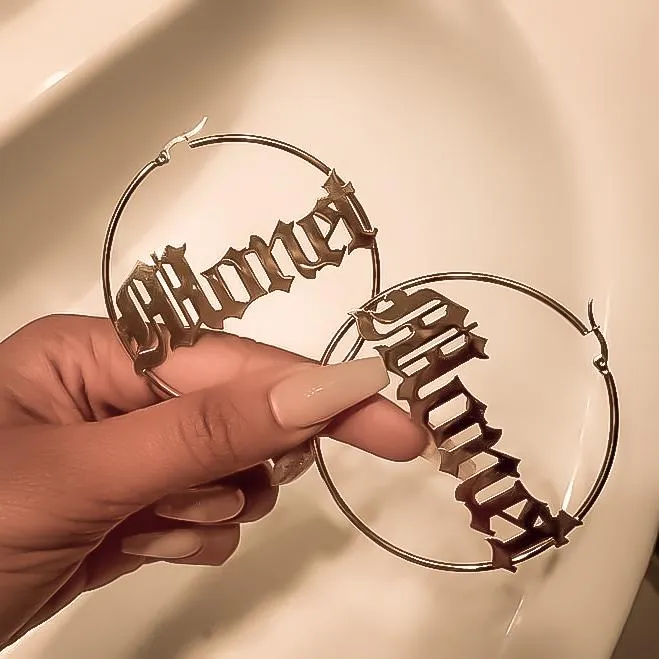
214	434
50	325
59	336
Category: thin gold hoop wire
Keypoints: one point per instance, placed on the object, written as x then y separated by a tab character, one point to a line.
600	363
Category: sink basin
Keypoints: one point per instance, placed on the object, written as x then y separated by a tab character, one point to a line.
495	137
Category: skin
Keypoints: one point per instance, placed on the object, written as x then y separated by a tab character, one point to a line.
89	453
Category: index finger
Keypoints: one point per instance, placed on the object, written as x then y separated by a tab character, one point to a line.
97	362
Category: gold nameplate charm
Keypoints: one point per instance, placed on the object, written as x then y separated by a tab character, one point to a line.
164	296
436	342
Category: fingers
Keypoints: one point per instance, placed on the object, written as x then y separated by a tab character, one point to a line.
217	545
111	385
76	358
375	424
152	536
260	495
243	497
266	410
380	427
211	545
245	403
170	533
100	376
218	504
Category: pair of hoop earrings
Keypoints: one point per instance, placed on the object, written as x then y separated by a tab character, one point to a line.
167	295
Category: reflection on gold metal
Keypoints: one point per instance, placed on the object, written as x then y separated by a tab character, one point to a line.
435	342
173	293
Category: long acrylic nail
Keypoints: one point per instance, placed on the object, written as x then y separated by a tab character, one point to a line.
180	543
211	507
433	455
313	395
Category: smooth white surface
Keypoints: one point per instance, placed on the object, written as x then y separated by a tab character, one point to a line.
47	44
495	137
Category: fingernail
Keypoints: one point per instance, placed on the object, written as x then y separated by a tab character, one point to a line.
432	455
291	465
466	470
172	544
313	395
211	507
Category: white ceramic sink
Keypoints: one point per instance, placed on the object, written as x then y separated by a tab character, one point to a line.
479	136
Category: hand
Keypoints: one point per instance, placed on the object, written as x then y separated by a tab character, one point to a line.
98	475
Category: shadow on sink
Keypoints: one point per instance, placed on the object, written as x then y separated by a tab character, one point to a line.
10	9
214	602
62	176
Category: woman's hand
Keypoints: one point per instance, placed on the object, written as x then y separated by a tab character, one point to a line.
98	475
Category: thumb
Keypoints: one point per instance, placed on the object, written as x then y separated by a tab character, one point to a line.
142	456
